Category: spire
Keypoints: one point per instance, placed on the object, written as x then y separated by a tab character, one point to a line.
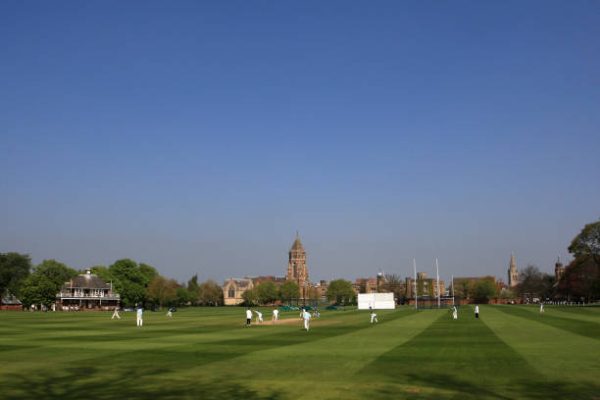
297	246
512	264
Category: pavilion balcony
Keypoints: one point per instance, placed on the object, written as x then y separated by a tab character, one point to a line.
84	296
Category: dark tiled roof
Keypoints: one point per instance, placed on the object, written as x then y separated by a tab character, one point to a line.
9	299
260	279
88	281
240	283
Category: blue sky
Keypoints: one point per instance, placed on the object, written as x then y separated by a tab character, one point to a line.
199	137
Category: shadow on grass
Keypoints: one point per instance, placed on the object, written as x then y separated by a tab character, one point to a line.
446	386
107	383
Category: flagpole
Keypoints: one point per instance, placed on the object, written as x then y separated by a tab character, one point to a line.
437	273
416	294
452	290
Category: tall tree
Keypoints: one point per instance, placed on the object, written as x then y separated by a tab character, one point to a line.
57	272
535	283
193	289
183	296
148	273
581	280
484	290
289	290
42	286
102	272
587	243
162	291
340	291
129	282
38	289
250	297
211	294
267	292
14	268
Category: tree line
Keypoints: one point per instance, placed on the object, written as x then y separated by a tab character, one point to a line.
136	283
580	281
339	291
140	283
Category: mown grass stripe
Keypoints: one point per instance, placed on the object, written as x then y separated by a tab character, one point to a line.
591	314
327	364
458	359
579	327
565	358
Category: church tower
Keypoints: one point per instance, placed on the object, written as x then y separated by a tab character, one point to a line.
513	274
297	270
559	270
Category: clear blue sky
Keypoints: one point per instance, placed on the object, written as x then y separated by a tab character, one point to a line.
199	136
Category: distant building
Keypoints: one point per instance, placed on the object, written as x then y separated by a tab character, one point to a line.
9	302
321	290
513	273
427	287
269	278
365	285
87	292
233	290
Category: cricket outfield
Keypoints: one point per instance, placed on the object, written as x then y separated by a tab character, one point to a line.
511	352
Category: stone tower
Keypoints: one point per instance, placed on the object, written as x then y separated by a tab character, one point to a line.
297	270
559	270
513	274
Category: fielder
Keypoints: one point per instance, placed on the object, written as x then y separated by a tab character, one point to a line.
140	317
541	308
373	317
116	314
454	312
275	316
476	311
306	316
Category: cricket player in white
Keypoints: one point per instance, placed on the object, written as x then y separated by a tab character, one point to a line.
306	316
454	312
259	318
139	317
275	315
248	317
476	311
116	314
373	317
541	308
169	313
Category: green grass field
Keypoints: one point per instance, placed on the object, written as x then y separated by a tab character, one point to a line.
511	352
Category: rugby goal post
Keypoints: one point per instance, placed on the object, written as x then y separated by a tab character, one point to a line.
376	301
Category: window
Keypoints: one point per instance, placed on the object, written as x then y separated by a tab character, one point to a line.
231	292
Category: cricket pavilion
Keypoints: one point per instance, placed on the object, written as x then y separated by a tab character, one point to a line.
87	292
